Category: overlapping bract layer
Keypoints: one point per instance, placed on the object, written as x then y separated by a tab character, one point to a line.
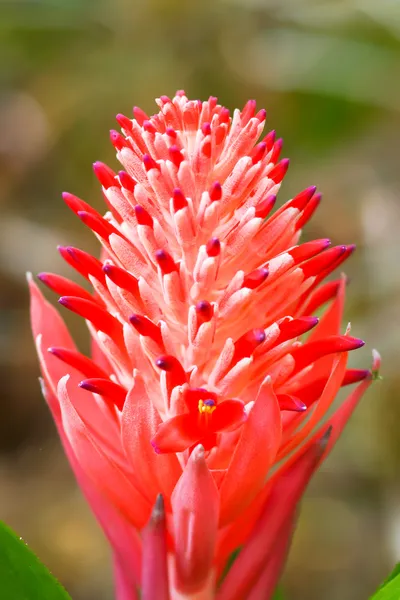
201	386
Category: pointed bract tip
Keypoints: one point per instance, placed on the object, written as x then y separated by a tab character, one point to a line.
206	129
358	343
264	207
170	131
64	301
291	403
175	155
276	151
158	512
149	162
254	279
104	174
126	181
124	122
142	216
198	453
139	115
224	115
89	387
324	439
279	171
270	139
261	115
376	365
149	127
42	277
117	140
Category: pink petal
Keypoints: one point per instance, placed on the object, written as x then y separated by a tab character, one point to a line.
155	569
195	505
320	408
140	420
103	473
254	454
124	589
121	534
266	584
94	413
47	323
276	516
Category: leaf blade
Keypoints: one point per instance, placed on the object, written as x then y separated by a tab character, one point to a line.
390	589
22	575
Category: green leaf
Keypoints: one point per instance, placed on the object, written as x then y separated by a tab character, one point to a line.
390	589
22	575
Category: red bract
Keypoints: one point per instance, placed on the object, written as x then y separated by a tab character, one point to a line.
200	416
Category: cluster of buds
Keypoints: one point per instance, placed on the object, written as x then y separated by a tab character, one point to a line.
197	421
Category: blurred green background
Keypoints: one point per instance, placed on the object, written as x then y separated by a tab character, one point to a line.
328	73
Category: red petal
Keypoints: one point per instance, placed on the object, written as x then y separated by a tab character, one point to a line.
228	414
193	395
177	434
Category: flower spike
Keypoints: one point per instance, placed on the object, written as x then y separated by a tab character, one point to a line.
206	402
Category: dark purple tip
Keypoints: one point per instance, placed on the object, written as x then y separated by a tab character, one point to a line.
64	301
164	363
215	191
259	335
213	247
142	216
155	447
171	132
206	128
148	126
209	402
149	163
86	385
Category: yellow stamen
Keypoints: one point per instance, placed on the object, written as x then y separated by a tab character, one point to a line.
205	408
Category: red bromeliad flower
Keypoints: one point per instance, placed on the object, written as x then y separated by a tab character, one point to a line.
200	416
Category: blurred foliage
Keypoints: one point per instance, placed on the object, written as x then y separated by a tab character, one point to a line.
328	73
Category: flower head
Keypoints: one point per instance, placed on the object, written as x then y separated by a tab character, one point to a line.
209	377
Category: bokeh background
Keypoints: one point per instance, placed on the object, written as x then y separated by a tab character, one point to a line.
329	74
